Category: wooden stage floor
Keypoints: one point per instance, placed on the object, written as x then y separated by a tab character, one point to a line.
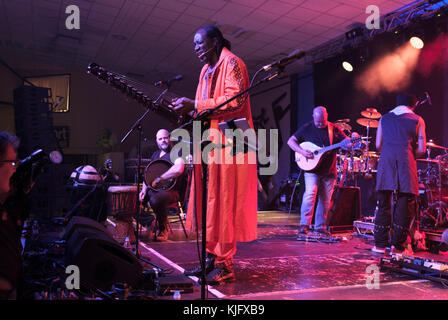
277	266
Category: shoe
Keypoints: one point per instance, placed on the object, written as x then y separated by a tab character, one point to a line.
146	220
406	251
323	232
162	236
378	249
303	230
222	273
197	271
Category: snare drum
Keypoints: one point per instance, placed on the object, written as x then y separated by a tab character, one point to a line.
372	162
122	207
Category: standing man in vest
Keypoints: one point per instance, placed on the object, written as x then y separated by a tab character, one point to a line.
320	181
400	137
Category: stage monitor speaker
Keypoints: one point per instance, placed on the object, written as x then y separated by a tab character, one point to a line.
77	222
102	262
345	209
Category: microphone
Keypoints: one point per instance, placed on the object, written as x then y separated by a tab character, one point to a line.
204	53
168	82
30	167
281	63
428	98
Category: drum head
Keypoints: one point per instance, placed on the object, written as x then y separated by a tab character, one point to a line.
154	170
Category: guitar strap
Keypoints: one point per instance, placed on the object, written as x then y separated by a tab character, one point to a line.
330	132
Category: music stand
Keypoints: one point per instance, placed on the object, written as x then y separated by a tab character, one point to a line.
242	124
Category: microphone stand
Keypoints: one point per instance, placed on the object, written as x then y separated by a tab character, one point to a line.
138	125
203	117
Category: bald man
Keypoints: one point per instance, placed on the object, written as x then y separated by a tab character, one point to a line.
320	181
160	200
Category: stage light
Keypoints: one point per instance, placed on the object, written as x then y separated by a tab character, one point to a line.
347	66
354	33
416	42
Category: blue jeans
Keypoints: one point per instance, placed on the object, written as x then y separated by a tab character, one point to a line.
322	188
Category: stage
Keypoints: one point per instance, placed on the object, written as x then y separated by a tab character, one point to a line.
277	266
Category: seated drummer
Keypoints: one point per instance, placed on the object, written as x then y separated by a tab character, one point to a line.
357	148
160	200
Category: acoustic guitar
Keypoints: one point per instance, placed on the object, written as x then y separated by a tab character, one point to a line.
308	164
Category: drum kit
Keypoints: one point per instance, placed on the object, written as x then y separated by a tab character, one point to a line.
433	183
432	173
358	160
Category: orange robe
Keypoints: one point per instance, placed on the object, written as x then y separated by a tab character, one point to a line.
232	188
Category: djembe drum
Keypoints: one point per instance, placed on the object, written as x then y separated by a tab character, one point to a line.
122	207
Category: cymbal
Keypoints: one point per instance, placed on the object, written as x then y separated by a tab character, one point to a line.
431	144
343	120
368	122
371	113
344	126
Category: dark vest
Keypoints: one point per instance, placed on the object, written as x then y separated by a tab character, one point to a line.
397	167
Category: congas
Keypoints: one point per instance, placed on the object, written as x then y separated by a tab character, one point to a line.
122	208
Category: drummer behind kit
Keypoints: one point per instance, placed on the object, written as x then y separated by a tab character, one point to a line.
358	159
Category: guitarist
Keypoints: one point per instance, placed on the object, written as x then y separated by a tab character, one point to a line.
320	181
160	200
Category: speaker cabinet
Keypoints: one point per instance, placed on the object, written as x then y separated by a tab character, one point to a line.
102	262
33	120
346	208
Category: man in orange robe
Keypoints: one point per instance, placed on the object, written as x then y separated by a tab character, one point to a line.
231	187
